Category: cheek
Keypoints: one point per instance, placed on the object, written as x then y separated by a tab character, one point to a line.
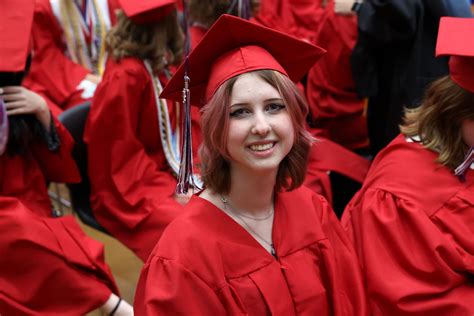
236	133
290	131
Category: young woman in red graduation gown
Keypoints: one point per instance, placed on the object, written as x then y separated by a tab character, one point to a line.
133	136
254	241
413	220
48	265
326	156
69	49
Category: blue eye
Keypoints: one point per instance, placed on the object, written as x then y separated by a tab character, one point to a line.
275	107
239	112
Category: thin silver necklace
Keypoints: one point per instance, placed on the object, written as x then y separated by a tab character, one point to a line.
229	208
226	202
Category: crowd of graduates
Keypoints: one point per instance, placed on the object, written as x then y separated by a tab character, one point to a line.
261	157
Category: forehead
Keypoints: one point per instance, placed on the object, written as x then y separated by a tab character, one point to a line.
250	86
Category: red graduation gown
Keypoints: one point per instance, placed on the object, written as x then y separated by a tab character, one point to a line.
413	227
132	184
326	156
52	73
48	265
207	264
277	14
334	105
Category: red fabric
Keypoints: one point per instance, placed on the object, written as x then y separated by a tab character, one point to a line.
16	18
196	34
452	42
207	264
132	184
52	73
238	61
24	177
208	67
299	18
277	14
325	157
334	105
412	225
48	265
143	12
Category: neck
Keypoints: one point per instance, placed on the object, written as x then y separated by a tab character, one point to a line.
252	192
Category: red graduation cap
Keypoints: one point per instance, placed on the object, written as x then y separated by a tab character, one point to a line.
233	46
16	18
147	11
456	39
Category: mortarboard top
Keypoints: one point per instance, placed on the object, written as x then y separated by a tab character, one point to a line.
456	39
147	11
16	18
233	46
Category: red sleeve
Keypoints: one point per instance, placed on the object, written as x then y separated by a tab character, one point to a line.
128	183
411	267
277	14
51	71
166	287
57	166
342	266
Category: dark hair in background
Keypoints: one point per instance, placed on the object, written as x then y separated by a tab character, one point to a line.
22	129
206	12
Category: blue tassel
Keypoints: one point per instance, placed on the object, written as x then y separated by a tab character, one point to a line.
186	178
3	126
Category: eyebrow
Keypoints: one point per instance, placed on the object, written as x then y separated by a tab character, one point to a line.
265	101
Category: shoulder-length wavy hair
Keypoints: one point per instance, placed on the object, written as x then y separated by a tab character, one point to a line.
439	119
215	168
206	12
161	43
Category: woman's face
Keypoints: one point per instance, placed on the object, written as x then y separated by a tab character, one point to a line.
467	130
261	133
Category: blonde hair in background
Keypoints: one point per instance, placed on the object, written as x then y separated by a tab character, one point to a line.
160	43
438	120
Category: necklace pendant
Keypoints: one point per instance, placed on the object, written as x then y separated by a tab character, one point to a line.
272	251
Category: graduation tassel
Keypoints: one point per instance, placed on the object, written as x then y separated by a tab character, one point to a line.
3	126
186	178
461	170
243	8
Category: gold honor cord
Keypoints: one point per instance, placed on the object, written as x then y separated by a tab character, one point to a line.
91	56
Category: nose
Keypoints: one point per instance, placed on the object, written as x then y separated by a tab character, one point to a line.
261	125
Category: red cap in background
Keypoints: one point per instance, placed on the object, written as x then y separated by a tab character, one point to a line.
147	11
16	18
456	39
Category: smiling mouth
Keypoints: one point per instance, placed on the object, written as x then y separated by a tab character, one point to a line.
261	147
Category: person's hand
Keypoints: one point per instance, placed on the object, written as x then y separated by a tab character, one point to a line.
343	7
183	199
88	86
19	100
